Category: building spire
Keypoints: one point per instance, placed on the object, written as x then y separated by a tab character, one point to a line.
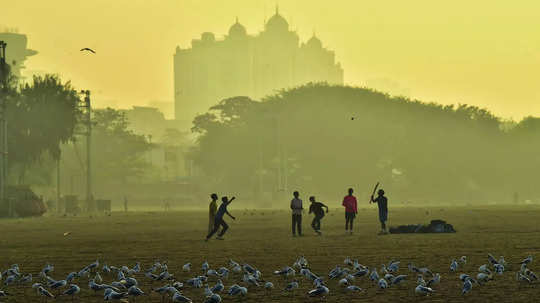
236	19
277	9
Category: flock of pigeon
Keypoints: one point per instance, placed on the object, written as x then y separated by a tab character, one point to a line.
124	284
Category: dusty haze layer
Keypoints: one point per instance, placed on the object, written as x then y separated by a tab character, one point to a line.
484	53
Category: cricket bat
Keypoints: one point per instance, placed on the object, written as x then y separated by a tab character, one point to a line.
374	190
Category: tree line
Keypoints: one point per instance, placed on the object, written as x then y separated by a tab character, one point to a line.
44	125
323	139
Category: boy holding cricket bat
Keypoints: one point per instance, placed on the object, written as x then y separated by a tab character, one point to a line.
382	203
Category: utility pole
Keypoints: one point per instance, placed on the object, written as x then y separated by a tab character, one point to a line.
88	121
4	74
58	195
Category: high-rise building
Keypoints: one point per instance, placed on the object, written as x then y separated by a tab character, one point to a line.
247	65
16	51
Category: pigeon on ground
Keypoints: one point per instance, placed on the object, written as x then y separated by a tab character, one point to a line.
319	292
423	290
454	265
291	286
72	290
179	298
353	288
467	287
214	298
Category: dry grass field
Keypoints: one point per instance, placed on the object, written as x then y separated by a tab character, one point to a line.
263	239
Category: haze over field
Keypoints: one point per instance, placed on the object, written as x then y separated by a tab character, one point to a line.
484	53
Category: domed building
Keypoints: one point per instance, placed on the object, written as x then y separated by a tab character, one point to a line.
243	64
237	30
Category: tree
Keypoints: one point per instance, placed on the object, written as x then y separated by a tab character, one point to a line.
42	116
118	152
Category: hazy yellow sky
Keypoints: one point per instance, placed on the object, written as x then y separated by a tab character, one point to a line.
481	52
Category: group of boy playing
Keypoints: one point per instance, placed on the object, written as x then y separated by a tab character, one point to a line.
317	208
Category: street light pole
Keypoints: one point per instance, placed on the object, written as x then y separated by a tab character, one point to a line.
4	71
87	105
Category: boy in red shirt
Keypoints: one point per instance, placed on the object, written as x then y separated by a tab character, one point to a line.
350	211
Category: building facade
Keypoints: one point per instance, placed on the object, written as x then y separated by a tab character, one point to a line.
16	51
247	65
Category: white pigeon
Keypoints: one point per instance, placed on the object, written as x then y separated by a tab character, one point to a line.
343	282
454	265
179	298
186	267
218	287
205	266
467	286
423	290
268	286
398	279
434	281
291	286
483	277
353	288
499	268
527	260
483	268
382	284
43	292
374	276
319	292
134	291
393	267
72	290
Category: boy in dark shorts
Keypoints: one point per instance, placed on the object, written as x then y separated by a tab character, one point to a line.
218	221
382	202
350	204
317	209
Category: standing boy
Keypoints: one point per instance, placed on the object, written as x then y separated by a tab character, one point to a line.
382	202
218	221
296	206
350	204
317	209
212	209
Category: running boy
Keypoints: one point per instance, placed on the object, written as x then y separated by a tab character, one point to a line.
317	209
218	221
382	202
350	204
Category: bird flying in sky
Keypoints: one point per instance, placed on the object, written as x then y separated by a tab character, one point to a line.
88	49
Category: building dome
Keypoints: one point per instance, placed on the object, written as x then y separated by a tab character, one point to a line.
237	30
277	23
208	37
314	42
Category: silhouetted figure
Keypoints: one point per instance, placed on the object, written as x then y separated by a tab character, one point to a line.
382	202
350	204
125	204
212	209
167	205
218	221
296	206
317	209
